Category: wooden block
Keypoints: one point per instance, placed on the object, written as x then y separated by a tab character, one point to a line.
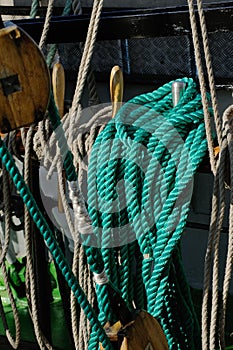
24	80
144	333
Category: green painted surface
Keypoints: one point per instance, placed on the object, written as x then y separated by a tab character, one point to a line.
60	337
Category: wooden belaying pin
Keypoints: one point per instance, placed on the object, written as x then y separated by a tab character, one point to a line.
116	89
58	83
24	80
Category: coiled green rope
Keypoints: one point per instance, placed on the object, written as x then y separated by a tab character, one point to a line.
155	149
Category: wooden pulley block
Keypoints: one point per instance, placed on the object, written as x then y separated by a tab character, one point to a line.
24	80
143	333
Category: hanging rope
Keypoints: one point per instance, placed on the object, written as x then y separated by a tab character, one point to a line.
227	135
53	47
87	55
46	24
93	97
51	243
34	8
7	212
196	43
149	123
210	324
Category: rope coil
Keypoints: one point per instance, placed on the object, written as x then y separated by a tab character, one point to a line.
139	187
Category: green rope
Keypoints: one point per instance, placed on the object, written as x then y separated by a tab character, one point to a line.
51	243
34	8
53	47
95	260
155	149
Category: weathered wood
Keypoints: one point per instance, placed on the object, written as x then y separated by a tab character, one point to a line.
58	83
24	80
144	333
116	89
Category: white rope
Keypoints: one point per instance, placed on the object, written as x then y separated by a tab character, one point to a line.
87	54
210	334
203	89
228	128
209	67
46	24
7	214
101	278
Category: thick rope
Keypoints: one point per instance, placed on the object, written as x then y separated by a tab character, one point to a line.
34	8
227	127
87	54
149	120
93	97
6	198
53	47
7	215
46	24
31	283
13	342
196	43
52	243
209	67
210	333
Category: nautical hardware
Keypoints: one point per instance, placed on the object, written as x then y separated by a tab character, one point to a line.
142	333
116	89
127	332
24	80
178	88
58	82
24	191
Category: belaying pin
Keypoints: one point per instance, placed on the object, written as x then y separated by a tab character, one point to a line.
178	89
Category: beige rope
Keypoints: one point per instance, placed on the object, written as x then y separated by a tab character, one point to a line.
13	342
42	341
6	198
46	24
209	67
203	89
73	301
210	329
91	83
228	128
87	54
7	215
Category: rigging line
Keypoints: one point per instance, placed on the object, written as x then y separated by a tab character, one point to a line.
203	89
51	242
46	24
91	83
87	54
41	339
210	72
227	126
